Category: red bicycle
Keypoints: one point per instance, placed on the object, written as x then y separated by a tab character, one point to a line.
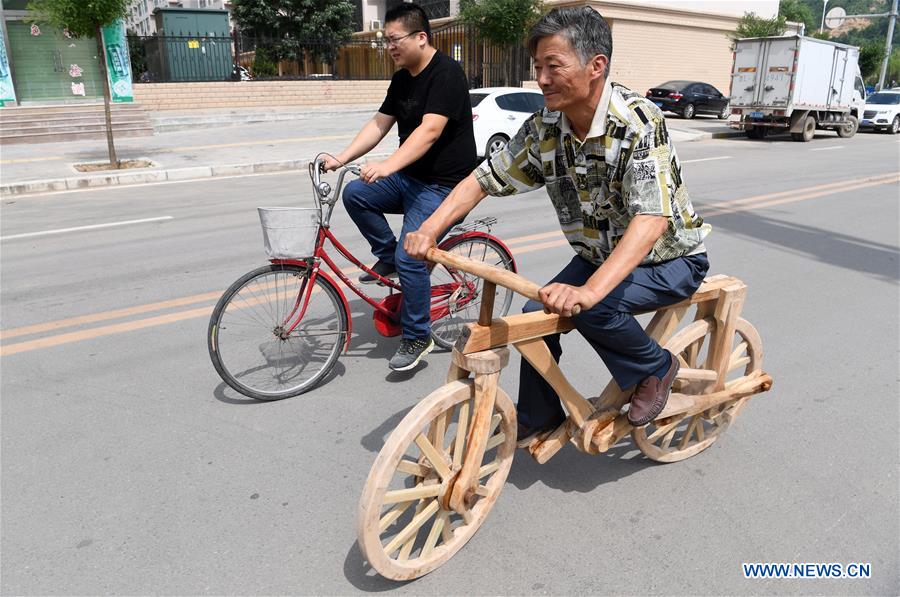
279	329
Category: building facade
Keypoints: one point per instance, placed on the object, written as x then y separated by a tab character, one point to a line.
140	13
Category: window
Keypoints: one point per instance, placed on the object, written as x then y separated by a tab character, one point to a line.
515	102
536	101
476	98
884	99
858	85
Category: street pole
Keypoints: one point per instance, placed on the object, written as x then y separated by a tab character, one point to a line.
887	51
824	6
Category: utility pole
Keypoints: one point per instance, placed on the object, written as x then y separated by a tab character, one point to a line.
887	51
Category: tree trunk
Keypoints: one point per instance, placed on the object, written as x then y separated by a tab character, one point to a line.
101	51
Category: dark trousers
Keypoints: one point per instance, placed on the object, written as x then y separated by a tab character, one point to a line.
611	329
398	194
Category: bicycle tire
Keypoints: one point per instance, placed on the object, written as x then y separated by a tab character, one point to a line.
245	338
463	308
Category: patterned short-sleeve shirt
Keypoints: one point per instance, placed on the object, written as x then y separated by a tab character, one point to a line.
625	167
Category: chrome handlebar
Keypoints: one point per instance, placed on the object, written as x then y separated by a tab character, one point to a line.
322	190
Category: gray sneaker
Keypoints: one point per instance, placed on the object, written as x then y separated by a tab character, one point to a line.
410	353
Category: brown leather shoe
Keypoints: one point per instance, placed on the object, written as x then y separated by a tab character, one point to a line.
650	396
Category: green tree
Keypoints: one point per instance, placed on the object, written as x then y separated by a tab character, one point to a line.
86	18
871	55
752	25
501	22
798	12
291	29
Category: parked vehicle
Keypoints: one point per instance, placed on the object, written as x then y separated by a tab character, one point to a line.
882	111
797	84
498	113
688	98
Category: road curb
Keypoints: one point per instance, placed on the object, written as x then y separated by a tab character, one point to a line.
17	189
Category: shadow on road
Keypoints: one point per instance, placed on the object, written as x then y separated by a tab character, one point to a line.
362	576
834	248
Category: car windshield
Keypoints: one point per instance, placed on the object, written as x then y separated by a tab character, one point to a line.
476	98
884	99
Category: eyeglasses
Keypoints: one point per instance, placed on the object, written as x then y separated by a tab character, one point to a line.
393	41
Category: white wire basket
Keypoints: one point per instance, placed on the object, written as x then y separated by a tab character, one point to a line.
289	232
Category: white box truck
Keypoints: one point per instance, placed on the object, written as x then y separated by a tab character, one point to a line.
795	83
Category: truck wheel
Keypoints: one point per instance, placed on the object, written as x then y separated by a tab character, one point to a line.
757	132
688	111
895	125
849	129
808	132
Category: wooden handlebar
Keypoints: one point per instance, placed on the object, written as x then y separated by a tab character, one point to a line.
491	273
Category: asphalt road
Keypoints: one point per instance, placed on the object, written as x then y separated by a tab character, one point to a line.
128	467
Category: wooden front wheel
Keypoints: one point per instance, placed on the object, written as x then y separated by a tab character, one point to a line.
679	437
405	529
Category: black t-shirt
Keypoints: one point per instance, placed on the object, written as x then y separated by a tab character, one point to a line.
441	88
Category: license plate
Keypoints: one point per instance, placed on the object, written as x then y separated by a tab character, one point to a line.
658	104
755	115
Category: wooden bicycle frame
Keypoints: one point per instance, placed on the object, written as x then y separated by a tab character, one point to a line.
593	425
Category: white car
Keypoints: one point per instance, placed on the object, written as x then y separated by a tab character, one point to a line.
882	111
498	112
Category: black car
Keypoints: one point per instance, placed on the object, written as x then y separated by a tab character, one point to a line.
688	98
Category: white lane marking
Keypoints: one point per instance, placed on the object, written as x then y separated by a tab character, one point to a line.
721	157
827	148
79	228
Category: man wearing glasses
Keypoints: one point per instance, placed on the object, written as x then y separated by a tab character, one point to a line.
429	100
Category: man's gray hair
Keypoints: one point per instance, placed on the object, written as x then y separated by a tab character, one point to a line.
583	27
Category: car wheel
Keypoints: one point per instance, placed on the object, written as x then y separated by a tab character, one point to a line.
495	143
726	111
895	125
849	129
688	111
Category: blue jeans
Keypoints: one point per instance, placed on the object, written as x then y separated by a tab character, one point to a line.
398	194
611	329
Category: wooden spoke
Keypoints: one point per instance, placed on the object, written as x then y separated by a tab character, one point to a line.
436	528
462	429
414	493
410	530
438	430
446	531
495	422
738	363
414	468
688	433
701	435
693	352
667	440
389	518
740	349
434	457
495	441
489	468
663	430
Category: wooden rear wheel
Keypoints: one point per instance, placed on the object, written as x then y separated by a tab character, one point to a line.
679	437
405	530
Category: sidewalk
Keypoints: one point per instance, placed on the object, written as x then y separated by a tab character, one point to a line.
202	144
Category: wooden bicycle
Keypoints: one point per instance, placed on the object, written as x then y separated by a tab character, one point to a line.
441	470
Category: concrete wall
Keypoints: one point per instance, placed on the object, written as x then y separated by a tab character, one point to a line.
256	94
